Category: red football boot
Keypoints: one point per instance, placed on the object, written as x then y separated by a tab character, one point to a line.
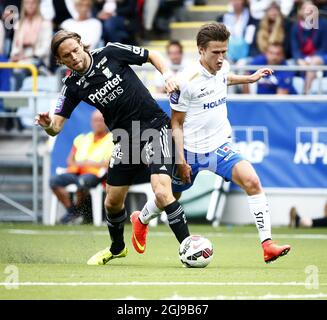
272	251
139	232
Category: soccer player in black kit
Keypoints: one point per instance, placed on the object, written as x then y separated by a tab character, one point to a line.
104	79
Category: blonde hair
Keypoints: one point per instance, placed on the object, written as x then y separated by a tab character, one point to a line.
270	33
22	10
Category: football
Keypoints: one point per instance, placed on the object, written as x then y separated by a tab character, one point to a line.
196	251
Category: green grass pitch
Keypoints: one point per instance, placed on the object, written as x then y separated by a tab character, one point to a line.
38	262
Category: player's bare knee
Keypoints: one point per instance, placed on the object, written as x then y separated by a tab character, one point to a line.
252	185
113	205
162	195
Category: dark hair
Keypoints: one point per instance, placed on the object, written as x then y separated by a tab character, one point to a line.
174	43
60	37
214	31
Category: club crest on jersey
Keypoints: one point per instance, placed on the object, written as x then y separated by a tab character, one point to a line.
107	73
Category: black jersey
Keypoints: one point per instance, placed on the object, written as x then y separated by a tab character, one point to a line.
112	86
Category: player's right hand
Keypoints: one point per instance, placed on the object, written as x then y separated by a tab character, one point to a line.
171	85
184	171
43	119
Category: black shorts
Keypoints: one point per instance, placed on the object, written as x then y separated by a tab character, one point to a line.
138	160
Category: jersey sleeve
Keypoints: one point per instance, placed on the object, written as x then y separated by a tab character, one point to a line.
285	80
180	100
66	103
127	53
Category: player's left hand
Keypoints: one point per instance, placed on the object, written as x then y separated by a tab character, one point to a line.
260	73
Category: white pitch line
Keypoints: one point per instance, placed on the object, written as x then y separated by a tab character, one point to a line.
264	297
164	284
317	236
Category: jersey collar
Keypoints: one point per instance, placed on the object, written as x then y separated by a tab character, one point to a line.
204	71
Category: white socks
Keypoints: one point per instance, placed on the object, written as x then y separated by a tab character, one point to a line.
149	212
260	210
258	207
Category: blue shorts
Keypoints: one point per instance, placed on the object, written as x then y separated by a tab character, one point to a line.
220	161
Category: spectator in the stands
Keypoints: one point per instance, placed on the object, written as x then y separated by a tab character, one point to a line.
9	15
31	43
123	25
316	60
258	7
242	28
87	165
88	27
309	40
273	28
280	82
58	11
176	64
150	10
104	9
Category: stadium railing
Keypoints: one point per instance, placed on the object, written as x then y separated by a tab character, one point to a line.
31	99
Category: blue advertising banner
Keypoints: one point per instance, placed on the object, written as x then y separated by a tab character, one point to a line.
285	141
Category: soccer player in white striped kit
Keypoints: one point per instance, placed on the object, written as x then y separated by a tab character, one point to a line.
202	134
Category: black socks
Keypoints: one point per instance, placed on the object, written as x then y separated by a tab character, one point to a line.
177	220
115	223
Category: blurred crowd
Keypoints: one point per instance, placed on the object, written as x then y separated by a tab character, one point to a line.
262	32
266	32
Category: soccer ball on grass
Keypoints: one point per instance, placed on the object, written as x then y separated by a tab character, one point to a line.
196	251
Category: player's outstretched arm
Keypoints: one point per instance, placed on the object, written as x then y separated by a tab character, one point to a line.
233	79
52	126
156	59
